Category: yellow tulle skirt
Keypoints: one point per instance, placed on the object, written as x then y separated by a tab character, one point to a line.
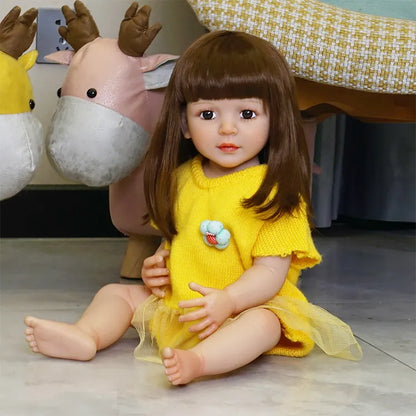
303	325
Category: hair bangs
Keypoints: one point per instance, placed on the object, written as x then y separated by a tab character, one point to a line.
233	68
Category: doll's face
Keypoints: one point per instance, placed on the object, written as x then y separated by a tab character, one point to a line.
228	133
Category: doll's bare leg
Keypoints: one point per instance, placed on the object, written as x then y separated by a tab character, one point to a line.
104	321
229	348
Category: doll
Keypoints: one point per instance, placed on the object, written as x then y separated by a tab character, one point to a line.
227	185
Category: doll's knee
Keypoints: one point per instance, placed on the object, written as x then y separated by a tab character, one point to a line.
110	289
133	295
267	324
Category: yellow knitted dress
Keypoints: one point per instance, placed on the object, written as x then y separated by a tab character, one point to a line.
217	241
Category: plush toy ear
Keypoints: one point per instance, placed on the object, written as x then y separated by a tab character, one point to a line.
61	57
28	59
157	70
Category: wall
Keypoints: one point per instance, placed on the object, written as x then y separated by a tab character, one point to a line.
180	28
399	9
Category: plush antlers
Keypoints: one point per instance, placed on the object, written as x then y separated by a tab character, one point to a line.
80	26
134	36
17	33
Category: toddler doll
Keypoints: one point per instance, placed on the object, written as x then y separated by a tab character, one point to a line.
227	185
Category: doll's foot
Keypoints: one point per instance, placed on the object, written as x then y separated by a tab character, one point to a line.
58	339
182	366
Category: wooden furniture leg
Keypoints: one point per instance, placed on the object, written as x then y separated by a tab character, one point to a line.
138	248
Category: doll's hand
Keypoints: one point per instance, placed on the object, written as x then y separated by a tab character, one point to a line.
214	308
155	275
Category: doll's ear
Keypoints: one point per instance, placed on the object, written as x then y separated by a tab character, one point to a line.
184	126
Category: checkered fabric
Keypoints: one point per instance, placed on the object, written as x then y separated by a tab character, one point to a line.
324	43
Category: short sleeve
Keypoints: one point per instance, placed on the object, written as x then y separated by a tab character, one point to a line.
289	235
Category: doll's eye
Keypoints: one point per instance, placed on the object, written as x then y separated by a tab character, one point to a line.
31	104
59	92
207	115
92	93
247	114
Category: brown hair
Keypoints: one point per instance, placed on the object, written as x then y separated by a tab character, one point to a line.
221	65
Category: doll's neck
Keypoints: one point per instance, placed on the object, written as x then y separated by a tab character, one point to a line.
215	170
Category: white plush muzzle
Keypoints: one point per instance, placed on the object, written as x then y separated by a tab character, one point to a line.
92	144
21	146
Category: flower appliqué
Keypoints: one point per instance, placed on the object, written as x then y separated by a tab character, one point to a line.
214	234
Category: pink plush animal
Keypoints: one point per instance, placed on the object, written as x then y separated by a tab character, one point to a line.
110	98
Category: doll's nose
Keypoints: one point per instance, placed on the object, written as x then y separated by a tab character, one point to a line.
227	128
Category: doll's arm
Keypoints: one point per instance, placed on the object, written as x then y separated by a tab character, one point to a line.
257	285
155	274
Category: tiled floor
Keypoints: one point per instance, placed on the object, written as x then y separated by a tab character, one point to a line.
367	278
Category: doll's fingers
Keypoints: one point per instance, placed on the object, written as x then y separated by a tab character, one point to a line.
200	289
162	254
155	272
191	303
159	293
149	261
201	326
193	316
153	283
155	260
157	282
161	263
209	331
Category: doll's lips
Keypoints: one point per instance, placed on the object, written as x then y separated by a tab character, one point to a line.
228	147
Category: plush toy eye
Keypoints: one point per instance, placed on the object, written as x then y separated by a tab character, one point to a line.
59	92
31	104
92	93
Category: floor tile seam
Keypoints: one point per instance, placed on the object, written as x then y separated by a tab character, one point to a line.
358	302
385	353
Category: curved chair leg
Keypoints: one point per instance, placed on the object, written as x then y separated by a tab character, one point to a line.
309	128
138	248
